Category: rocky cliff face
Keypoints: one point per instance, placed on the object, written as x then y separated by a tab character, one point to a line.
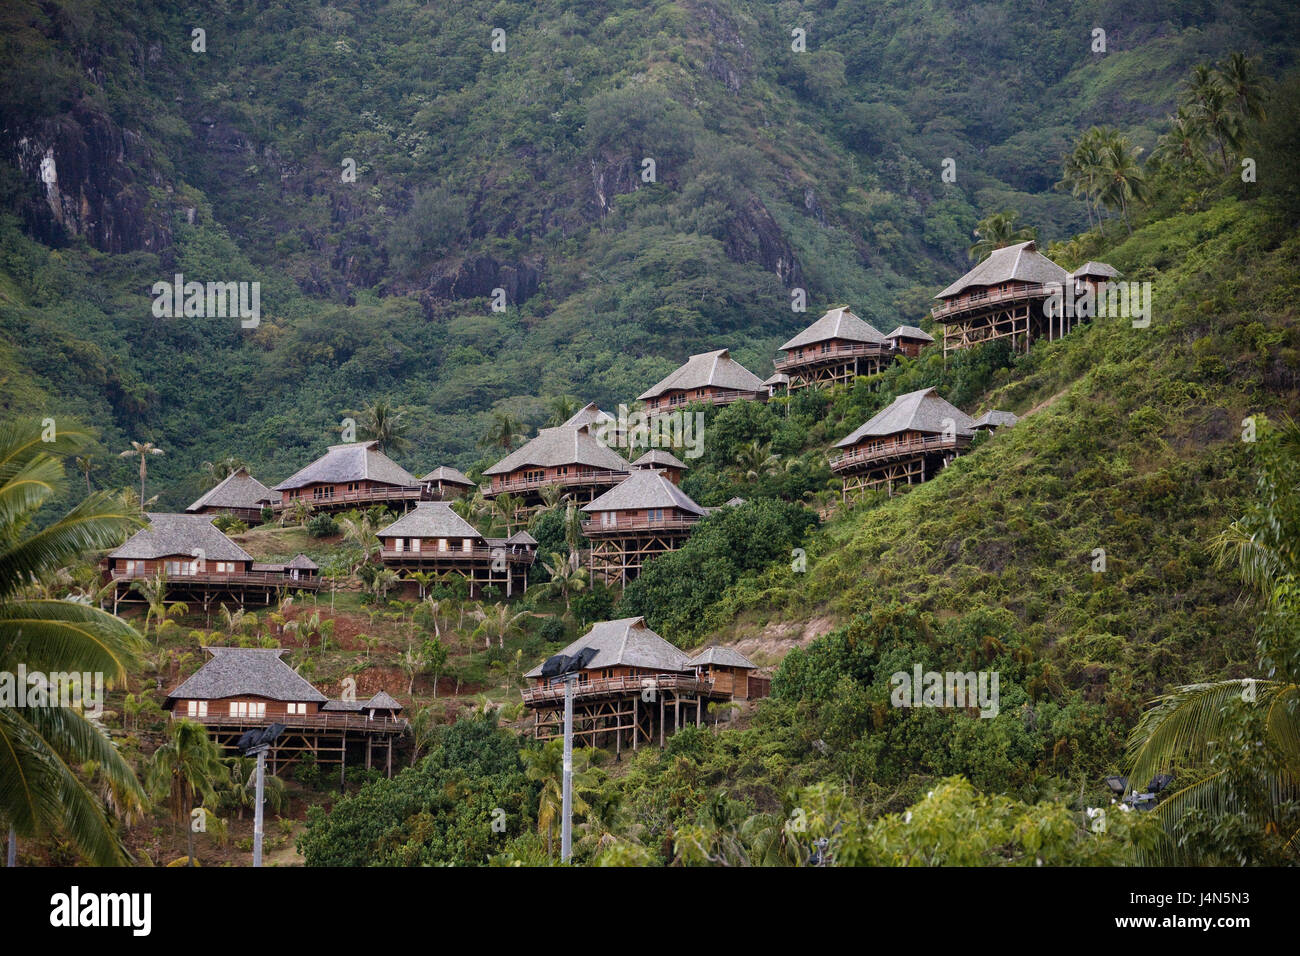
80	170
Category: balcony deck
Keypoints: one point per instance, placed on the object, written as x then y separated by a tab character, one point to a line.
895	450
594	528
248	578
977	302
595	476
621	687
370	496
836	355
454	557
314	722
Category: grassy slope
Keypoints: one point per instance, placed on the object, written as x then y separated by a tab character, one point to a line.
1136	449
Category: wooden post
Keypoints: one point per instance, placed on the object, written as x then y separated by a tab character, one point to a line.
661	721
636	719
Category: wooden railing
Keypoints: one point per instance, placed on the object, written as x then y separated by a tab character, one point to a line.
592	476
320	721
597	527
857	350
911	446
272	578
455	555
387	493
978	300
721	397
688	683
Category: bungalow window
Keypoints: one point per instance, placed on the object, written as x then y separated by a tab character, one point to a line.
196	708
176	569
131	567
299	709
398	544
225	567
247	708
415	544
467	545
655	514
354	486
609	518
444	544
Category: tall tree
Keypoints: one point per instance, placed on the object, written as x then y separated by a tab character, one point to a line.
380	421
185	767
40	792
143	450
996	231
503	431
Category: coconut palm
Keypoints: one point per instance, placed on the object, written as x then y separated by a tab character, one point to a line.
381	422
1081	171
567	576
1183	145
998	230
545	764
1123	179
504	430
1196	726
142	450
40	793
1240	76
1214	108
754	460
85	465
562	408
213	473
499	622
186	766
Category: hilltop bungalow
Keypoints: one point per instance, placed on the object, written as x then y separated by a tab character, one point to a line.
657	459
730	671
833	351
909	340
908	441
776	383
1001	298
198	564
628	525
240	688
712	377
1094	275
992	420
566	457
239	494
433	538
355	475
631	687
443	484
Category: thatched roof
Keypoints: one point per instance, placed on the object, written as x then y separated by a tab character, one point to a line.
626	642
356	461
521	537
910	332
1021	263
779	378
722	657
995	419
246	672
382	701
303	563
589	414
238	489
921	411
836	324
644	488
430	519
658	458
170	534
563	445
1099	269
718	369
448	476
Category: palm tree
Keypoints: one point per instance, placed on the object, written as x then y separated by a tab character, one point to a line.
381	422
545	764
507	507
563	408
143	450
1212	105
500	623
1245	86
360	528
188	765
1183	145
566	576
40	792
503	431
299	512
213	473
1081	171
754	460
552	497
1123	179
1196	725
998	230
85	465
